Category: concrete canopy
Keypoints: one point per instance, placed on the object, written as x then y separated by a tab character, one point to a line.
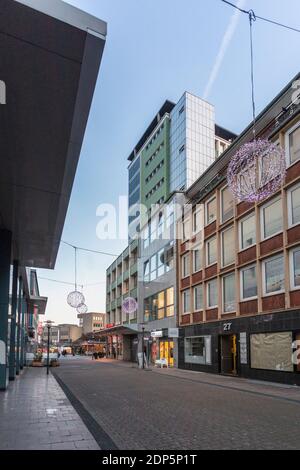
50	58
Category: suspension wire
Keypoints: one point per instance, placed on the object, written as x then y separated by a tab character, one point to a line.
252	18
268	20
88	250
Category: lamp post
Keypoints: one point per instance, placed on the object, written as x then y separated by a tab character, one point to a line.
48	325
143	344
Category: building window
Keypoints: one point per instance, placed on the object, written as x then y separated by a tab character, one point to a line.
161	263
228	251
294	205
170	302
161	305
295	268
186	265
248	283
228	289
211	211
186	229
146	236
198	297
271	218
197	350
212	293
293	144
197	260
153	268
186	301
273	275
247	232
211	251
226	204
197	221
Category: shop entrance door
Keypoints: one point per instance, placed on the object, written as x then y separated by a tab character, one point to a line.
228	355
166	350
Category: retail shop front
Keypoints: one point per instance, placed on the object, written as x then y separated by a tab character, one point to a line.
121	342
261	347
162	344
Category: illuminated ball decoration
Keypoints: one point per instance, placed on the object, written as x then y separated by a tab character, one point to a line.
75	299
129	305
82	308
256	171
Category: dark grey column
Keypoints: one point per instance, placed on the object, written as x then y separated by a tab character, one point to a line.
14	302
19	317
5	259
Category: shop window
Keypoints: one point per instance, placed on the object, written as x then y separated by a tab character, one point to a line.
271	218
186	265
228	247
197	260
272	351
248	283
198	297
212	293
293	144
228	289
211	251
211	211
227	207
295	268
247	230
273	275
161	305
170	302
186	307
294	205
197	350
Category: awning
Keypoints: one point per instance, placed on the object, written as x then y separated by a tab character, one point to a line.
119	330
50	57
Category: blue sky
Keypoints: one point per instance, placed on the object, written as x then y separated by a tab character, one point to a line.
157	49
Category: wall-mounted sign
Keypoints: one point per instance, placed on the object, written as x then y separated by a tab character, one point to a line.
173	333
227	326
243	348
157	334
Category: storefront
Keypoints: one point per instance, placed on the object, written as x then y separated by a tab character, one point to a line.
161	344
121	343
262	347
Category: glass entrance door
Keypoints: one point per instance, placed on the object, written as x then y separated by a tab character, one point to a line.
166	351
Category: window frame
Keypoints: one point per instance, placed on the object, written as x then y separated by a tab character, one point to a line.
263	270
207	264
223	265
194	297
292	268
252	214
223	291
182	301
262	223
185	256
289	204
287	145
221	205
197	248
207	294
254	297
206	210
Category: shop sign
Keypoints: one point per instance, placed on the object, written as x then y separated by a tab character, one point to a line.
173	333
110	325
243	348
157	334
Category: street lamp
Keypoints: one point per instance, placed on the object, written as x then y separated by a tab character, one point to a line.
48	325
143	343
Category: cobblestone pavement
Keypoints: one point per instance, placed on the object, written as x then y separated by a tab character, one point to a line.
172	409
36	415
